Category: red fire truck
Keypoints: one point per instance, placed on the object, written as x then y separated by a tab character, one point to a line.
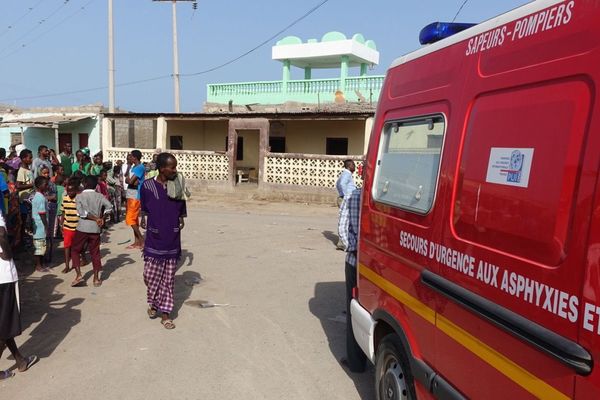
479	249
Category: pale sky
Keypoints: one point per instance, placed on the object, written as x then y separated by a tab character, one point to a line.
53	46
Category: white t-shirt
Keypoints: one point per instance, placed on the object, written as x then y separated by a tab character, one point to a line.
8	271
124	174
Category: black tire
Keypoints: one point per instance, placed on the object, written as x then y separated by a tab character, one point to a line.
356	358
393	378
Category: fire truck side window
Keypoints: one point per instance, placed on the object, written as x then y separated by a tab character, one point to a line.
408	163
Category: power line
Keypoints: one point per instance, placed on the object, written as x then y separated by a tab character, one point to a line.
156	78
459	10
297	20
12	24
40	23
60	23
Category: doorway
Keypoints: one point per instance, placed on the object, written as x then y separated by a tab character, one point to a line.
83	140
247	157
63	139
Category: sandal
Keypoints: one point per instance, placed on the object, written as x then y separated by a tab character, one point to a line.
77	282
97	283
152	313
6	374
168	323
30	362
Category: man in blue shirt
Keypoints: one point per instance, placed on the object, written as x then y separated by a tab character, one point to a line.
39	209
134	180
345	186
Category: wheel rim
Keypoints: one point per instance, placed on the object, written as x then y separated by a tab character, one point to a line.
393	383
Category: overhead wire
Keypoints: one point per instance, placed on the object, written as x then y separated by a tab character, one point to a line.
39	24
296	21
156	78
70	92
15	22
459	10
58	24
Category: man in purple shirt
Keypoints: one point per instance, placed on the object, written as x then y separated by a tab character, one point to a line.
162	248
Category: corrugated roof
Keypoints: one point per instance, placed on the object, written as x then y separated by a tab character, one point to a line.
46	121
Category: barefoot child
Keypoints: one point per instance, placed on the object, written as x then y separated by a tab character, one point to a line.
69	219
89	208
39	211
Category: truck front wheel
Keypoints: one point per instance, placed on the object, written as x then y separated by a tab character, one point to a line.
393	379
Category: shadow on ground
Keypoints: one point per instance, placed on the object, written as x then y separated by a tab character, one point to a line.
184	285
187	259
331	236
41	303
327	305
114	263
44	306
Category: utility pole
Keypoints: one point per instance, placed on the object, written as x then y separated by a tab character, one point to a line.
175	53
111	60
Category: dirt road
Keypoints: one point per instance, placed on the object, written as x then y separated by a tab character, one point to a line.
280	336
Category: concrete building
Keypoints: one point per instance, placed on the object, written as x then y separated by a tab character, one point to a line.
284	150
285	136
52	127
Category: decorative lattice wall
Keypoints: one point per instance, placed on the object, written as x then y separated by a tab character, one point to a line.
202	165
306	171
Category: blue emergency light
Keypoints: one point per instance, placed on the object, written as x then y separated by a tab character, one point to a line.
440	30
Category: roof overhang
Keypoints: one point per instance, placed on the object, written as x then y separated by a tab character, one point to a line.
326	54
226	116
50	121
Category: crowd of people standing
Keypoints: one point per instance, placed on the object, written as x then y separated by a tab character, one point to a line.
71	198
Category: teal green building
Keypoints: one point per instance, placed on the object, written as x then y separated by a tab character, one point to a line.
352	56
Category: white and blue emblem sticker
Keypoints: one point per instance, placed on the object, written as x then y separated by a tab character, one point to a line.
509	166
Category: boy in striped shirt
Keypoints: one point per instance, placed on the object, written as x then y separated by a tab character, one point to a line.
69	219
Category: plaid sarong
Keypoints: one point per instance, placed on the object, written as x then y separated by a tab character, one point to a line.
159	277
343	222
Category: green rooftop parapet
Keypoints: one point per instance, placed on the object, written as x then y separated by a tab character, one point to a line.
333	51
311	91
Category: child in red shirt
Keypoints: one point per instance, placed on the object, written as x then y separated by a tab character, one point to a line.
102	187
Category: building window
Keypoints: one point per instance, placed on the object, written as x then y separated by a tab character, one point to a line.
336	146
277	144
176	142
408	163
15	138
